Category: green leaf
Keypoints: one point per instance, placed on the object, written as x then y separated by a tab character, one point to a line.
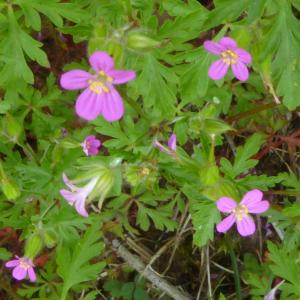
194	81
14	46
283	43
204	216
4	254
114	287
32	48
160	217
32	17
243	160
91	296
285	265
140	293
187	24
156	84
225	11
74	266
56	11
262	182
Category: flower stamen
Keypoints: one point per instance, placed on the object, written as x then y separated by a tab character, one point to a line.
241	211
229	57
98	86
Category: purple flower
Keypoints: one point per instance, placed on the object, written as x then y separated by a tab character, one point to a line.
91	145
239	213
77	196
99	97
22	267
230	55
171	144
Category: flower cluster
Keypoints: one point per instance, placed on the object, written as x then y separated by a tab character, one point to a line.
100	98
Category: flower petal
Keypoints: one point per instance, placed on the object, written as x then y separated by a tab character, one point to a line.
260	207
71	197
101	61
228	43
226	224
75	80
112	107
80	208
31	274
240	71
218	70
246	226
96	143
213	47
89	105
68	183
19	273
272	294
243	55
226	204
12	263
172	142
93	151
87	189
120	76
252	198
157	144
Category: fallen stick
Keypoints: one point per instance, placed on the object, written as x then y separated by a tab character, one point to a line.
135	262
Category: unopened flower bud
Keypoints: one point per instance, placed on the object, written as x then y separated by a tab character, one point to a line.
50	238
69	144
13	127
33	245
138	41
10	188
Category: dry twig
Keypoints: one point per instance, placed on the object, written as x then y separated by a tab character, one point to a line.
135	262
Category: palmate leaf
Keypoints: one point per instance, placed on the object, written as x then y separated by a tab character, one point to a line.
194	81
17	44
189	17
157	85
243	160
225	11
283	42
285	265
74	265
204	215
13	49
55	10
161	218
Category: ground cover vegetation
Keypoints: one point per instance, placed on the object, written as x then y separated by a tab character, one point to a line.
149	149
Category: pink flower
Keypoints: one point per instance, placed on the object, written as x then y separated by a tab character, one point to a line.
230	55
239	213
22	267
272	294
171	144
99	97
91	145
77	196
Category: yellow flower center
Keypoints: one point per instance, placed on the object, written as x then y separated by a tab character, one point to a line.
145	172
240	212
229	57
99	85
24	264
